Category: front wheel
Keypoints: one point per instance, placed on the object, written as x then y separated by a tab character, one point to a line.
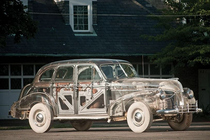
182	123
40	118
139	117
81	125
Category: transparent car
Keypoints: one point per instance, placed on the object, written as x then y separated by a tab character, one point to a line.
85	90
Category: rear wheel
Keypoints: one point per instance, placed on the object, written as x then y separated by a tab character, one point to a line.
182	123
81	125
139	117
40	118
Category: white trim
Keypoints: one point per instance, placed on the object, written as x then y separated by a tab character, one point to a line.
86	34
60	0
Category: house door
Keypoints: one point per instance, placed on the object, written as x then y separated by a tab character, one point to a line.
204	88
90	91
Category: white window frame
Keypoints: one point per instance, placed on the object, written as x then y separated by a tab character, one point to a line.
87	3
21	76
161	75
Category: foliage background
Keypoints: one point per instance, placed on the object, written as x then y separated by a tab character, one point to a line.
15	21
186	27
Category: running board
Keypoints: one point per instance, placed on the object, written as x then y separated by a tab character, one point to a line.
83	117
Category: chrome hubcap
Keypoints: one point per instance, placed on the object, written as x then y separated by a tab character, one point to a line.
39	117
138	117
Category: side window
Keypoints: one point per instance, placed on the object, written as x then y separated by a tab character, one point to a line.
108	71
95	74
64	73
88	73
84	73
120	73
130	71
47	75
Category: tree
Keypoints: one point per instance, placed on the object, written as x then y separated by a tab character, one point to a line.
186	26
15	21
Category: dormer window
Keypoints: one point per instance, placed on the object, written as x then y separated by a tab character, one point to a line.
81	17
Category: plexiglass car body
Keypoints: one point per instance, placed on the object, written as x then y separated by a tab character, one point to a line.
86	90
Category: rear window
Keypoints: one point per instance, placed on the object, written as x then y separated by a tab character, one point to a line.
47	75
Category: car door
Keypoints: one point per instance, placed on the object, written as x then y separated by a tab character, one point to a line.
90	90
64	88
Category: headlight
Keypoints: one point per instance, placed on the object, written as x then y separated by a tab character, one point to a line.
189	93
162	95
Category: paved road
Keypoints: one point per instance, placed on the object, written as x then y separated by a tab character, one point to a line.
158	131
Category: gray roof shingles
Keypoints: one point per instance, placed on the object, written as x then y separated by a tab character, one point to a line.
120	23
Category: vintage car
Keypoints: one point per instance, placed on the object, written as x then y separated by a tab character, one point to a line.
85	90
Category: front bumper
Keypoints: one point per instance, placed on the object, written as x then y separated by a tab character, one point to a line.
189	108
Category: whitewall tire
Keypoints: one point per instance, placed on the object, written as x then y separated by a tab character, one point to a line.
139	117
40	118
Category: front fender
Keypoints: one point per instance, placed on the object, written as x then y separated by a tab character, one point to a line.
121	105
174	86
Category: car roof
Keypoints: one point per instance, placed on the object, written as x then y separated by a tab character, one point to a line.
97	61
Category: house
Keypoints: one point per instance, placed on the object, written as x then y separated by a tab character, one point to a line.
69	29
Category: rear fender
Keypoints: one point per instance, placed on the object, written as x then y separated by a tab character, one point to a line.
27	102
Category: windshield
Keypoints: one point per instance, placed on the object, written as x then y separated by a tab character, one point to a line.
118	71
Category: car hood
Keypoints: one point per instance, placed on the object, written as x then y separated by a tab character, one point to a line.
171	84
